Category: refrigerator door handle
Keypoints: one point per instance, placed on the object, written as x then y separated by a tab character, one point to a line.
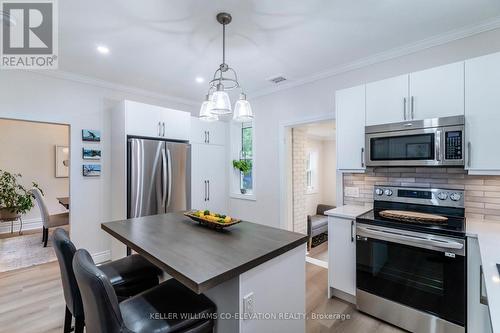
164	176
169	161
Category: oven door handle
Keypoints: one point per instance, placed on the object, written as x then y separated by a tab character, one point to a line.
429	242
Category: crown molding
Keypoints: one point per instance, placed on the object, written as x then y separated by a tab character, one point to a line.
394	53
79	78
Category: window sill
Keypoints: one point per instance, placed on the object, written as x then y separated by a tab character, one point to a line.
240	196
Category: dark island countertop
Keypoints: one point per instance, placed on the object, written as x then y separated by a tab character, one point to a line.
199	257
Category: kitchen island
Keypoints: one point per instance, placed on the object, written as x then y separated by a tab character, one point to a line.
246	261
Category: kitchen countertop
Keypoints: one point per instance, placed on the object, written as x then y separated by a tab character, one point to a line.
488	235
199	257
348	211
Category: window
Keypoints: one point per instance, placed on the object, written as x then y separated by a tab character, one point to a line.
242	185
246	181
312	172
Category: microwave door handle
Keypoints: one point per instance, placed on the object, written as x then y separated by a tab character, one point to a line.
438	145
412	239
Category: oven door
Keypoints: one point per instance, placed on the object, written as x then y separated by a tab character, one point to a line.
400	148
423	272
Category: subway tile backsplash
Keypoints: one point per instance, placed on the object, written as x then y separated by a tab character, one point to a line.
482	193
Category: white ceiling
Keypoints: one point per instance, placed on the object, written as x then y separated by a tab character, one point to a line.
163	45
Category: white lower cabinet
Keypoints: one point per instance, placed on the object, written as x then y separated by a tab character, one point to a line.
208	177
342	258
478	315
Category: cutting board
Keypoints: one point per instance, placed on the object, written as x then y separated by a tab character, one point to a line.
412	216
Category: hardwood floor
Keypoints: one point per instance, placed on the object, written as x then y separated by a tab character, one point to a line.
319	252
31	301
317	303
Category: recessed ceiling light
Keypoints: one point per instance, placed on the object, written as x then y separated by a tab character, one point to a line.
199	79
102	49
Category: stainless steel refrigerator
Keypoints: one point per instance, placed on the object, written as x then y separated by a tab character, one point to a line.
159	177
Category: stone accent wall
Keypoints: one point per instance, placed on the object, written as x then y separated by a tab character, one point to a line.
299	141
482	193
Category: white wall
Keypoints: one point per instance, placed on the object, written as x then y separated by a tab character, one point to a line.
315	197
325	193
33	96
329	193
316	100
28	148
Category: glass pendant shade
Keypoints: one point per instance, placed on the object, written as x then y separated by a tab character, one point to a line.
221	104
242	110
205	111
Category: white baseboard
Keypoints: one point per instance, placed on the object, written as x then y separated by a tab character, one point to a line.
100	257
29	224
317	262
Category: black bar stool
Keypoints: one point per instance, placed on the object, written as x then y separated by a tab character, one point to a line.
128	276
167	308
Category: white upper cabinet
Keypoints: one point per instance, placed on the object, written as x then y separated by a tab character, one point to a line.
350	118
387	101
142	119
177	124
213	133
156	122
482	114
437	92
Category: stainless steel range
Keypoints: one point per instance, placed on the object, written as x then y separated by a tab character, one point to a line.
411	259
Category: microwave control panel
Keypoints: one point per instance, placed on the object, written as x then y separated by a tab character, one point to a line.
453	145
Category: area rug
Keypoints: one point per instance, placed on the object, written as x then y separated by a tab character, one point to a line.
24	251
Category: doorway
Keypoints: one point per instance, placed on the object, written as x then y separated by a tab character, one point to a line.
311	161
34	189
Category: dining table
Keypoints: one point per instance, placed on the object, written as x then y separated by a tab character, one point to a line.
249	270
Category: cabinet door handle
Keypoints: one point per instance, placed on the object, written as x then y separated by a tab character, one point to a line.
412	109
362	157
208	182
404	108
163	128
469	153
208	137
159	128
483	299
352	231
205	136
205	188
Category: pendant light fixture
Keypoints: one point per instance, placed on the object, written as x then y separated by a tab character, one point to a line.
205	113
217	102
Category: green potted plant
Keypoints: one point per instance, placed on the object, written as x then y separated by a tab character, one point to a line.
14	198
245	167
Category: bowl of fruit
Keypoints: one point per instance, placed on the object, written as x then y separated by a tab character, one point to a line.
211	219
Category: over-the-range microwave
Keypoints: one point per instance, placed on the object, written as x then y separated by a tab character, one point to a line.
428	142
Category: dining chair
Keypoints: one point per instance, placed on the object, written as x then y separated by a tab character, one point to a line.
48	221
167	308
128	276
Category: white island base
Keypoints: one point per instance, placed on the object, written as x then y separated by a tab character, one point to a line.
279	289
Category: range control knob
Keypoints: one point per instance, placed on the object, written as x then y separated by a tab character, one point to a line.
455	196
379	191
388	192
442	195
